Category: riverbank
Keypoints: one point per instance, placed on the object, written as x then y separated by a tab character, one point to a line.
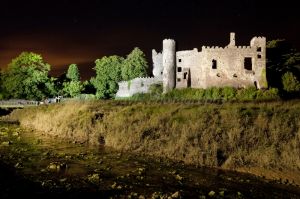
260	138
37	166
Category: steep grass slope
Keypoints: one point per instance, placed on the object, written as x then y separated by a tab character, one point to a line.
231	135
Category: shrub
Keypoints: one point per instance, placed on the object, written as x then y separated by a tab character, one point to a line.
228	93
290	82
247	94
156	90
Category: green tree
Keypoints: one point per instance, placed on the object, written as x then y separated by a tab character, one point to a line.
108	74
73	73
27	77
290	83
135	65
72	86
281	58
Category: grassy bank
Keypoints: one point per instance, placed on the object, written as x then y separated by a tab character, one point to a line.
265	136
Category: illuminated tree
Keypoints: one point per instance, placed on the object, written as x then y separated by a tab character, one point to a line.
108	74
73	86
27	77
135	65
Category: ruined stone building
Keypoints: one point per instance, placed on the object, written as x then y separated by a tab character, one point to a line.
236	66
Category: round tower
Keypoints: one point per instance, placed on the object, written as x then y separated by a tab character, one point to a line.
168	65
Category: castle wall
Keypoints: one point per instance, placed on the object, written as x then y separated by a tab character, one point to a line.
137	85
158	68
229	66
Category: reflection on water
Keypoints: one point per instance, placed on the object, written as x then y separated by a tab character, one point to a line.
57	166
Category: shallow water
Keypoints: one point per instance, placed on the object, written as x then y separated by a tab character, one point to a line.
38	166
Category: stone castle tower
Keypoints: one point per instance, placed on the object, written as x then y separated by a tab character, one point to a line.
169	64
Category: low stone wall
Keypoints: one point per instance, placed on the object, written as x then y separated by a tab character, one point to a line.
137	85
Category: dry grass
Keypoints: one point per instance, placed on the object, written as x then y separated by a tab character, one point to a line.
230	135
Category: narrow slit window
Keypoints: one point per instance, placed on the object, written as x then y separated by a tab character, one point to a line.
258	56
258	49
179	69
179	60
214	64
248	63
184	75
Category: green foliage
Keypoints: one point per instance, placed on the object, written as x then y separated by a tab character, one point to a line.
213	94
72	86
281	58
290	82
108	74
73	73
247	94
135	65
27	77
229	93
156	89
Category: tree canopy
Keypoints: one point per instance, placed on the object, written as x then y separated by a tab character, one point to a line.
72	86
27	77
73	73
108	74
135	65
281	58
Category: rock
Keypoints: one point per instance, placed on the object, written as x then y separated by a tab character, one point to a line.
63	180
52	166
178	177
239	194
176	195
19	165
113	186
4	134
156	195
211	193
6	143
94	178
221	193
57	166
15	134
141	197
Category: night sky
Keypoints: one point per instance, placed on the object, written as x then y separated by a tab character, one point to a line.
66	31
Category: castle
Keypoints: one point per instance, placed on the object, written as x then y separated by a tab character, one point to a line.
235	66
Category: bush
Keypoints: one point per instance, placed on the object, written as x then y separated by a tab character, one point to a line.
229	93
290	82
247	94
156	90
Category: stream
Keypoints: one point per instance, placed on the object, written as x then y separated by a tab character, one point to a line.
37	166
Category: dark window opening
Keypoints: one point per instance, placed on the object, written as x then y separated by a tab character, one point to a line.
258	56
178	79
234	75
248	63
184	75
179	69
214	64
258	49
179	60
161	73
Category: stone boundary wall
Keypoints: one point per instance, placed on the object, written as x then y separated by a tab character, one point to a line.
137	85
